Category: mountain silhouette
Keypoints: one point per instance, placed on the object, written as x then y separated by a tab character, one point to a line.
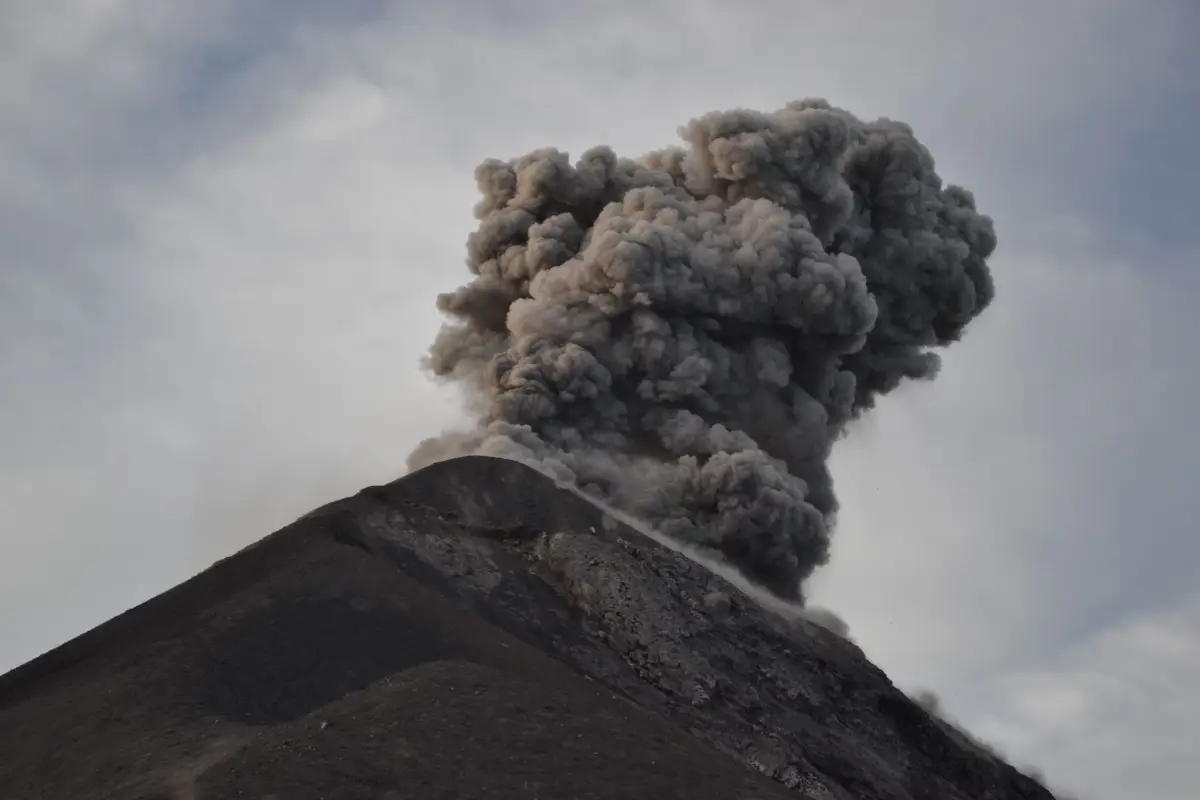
472	630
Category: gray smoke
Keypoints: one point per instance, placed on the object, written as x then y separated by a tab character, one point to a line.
686	335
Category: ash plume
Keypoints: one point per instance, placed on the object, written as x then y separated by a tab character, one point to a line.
686	335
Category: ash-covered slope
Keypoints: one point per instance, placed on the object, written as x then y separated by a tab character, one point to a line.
471	630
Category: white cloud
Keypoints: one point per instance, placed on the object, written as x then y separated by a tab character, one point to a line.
209	323
1117	710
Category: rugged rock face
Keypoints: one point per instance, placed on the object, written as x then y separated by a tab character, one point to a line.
472	630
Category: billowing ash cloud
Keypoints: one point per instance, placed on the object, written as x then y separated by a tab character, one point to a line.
687	335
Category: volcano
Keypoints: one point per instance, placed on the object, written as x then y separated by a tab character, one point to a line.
472	630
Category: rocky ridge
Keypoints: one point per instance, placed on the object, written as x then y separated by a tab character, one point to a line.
783	694
237	674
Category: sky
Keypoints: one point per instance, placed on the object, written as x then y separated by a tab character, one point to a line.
223	226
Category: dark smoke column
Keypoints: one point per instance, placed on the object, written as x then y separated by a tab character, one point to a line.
687	335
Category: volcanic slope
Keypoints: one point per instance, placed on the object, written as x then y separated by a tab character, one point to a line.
471	630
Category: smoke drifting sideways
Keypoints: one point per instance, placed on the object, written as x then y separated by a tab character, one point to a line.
685	336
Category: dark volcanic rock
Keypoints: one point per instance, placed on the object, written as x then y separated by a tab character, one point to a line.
471	630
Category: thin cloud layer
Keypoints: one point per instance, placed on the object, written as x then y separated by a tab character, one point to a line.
201	334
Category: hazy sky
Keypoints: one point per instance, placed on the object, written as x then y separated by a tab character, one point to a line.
222	226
